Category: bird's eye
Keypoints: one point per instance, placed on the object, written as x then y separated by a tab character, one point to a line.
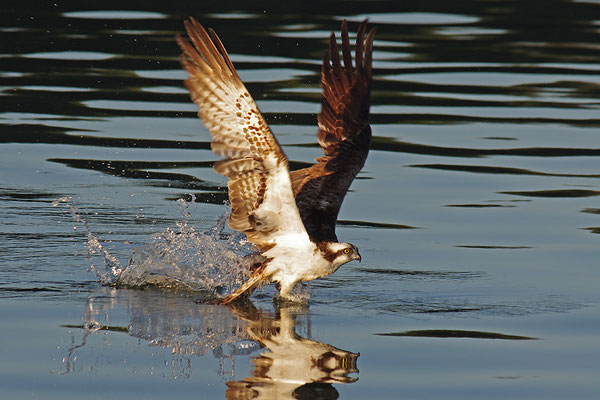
346	251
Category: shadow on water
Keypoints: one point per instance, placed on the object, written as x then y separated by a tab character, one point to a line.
286	364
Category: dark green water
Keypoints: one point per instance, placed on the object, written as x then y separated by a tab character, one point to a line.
477	213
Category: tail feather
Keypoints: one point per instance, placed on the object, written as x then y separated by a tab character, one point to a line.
248	287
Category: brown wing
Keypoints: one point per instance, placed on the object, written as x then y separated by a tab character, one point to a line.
344	134
260	191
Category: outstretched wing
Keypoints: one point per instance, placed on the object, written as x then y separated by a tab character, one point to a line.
260	191
344	134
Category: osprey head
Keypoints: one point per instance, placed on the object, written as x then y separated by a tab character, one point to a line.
341	253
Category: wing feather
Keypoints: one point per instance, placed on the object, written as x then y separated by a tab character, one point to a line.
262	202
344	134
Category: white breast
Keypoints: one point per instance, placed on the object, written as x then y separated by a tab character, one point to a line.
295	259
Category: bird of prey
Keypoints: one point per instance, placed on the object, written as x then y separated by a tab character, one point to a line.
289	217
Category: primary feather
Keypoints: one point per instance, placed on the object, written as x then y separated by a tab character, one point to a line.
344	134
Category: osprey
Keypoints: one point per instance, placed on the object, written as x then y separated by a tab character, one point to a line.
289	216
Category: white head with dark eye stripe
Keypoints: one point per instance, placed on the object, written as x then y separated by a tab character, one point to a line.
340	253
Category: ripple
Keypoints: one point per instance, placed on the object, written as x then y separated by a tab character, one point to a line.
312	34
480	205
559	193
495	247
470	31
368	224
391	144
164	89
114	14
486	78
591	210
421	274
500	138
233	15
57	88
70	55
133	105
593	229
447	333
415	18
484	169
28	133
145	170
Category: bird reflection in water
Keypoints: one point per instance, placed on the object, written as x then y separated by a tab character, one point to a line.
284	363
293	367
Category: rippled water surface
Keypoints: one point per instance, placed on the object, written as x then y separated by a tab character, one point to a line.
477	213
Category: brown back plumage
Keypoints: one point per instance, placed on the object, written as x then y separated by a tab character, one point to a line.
344	134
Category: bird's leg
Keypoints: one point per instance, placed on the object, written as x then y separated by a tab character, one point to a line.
285	289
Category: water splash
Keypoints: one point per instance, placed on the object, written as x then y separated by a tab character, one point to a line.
210	261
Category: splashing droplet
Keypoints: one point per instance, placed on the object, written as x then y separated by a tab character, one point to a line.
208	261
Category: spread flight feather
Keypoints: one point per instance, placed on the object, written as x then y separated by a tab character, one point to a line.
344	135
262	202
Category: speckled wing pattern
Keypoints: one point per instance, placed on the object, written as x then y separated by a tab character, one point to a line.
344	134
260	192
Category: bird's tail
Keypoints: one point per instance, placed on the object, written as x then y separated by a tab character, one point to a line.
248	287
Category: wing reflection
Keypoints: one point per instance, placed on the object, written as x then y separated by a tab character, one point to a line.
286	364
293	367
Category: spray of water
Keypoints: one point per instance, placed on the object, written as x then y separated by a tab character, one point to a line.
181	257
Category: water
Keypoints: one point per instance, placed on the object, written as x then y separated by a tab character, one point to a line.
476	213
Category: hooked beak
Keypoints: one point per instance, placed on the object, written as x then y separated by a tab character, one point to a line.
358	257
